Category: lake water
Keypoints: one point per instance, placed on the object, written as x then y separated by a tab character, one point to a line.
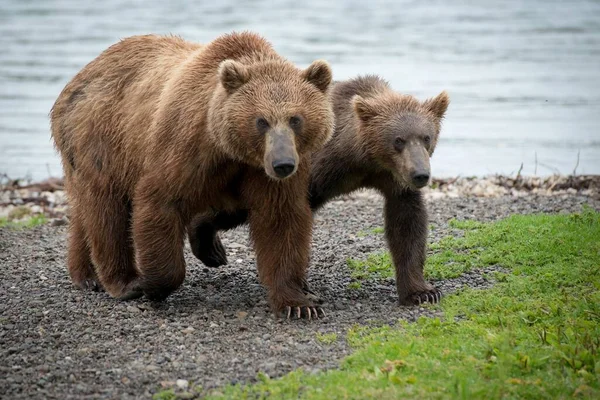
523	76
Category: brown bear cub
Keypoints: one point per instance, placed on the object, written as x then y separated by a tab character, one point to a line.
158	129
382	140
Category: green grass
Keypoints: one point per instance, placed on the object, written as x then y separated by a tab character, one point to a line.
327	338
28	223
375	231
534	335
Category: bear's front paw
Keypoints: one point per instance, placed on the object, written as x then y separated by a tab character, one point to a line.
432	296
297	303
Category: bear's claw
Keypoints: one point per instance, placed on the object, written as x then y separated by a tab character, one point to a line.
431	296
305	311
91	284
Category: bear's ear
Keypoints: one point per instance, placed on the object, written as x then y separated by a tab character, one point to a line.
363	109
438	105
233	75
319	74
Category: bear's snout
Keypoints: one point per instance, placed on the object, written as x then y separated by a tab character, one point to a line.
284	167
420	178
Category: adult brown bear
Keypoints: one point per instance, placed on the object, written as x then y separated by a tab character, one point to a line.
158	129
382	140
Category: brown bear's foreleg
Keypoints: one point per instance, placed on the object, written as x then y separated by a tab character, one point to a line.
281	234
406	233
158	233
106	220
79	262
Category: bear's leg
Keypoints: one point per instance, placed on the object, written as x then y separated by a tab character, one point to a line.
158	234
406	233
204	237
106	220
79	262
282	246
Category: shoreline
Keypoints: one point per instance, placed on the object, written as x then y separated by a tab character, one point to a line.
21	200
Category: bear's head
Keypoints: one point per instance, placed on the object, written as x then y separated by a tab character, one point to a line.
271	114
399	133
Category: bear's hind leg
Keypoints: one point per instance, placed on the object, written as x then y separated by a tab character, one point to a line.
79	263
158	234
107	223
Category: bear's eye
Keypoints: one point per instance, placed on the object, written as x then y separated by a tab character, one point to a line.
262	124
427	139
399	143
295	122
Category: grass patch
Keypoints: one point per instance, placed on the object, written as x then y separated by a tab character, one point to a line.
374	231
35	220
168	394
448	258
535	334
327	338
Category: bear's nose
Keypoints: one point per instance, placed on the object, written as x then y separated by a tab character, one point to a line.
420	179
284	167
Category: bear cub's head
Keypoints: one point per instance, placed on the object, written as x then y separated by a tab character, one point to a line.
273	113
399	133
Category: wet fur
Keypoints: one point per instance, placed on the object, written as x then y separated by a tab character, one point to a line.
156	130
358	156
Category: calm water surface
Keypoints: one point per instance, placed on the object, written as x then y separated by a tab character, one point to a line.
524	76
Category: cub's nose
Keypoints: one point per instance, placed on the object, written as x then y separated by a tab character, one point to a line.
420	179
283	167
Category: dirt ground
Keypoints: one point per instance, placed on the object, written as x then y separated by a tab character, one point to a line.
60	342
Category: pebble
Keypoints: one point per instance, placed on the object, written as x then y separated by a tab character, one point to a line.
182	384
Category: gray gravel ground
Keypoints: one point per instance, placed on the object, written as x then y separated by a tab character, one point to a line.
59	342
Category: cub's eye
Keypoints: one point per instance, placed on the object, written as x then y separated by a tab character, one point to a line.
427	139
399	143
262	124
295	122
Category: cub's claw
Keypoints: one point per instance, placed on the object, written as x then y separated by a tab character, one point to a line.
431	296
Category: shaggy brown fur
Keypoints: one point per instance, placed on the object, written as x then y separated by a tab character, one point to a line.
383	140
158	129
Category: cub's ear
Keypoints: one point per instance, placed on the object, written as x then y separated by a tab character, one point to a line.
363	108
438	105
319	74
233	75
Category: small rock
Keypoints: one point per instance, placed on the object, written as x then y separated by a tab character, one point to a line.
133	309
188	330
59	221
213	325
242	314
182	384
